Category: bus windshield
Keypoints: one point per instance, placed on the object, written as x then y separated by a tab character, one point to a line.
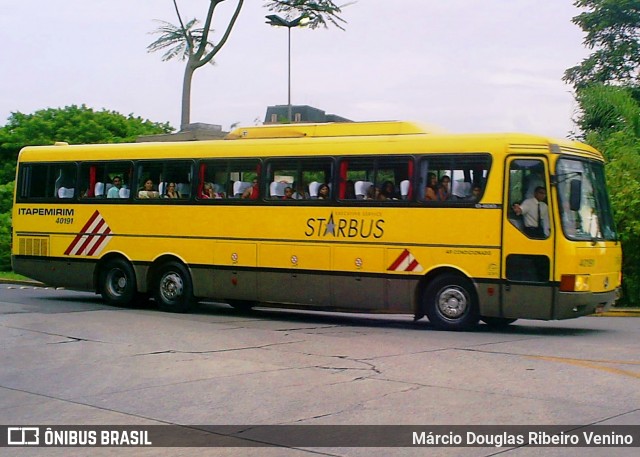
589	215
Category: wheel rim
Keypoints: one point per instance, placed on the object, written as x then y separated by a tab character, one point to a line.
171	287
452	302
117	282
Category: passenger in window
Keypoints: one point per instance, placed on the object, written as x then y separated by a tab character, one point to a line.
444	189
147	190
171	191
208	191
300	193
476	192
114	192
388	191
288	193
535	214
253	192
430	192
350	190
323	192
373	193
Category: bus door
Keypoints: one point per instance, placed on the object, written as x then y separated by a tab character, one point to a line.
527	240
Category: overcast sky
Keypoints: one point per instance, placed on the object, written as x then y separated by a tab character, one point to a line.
461	65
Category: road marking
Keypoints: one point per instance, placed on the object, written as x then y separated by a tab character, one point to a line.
594	364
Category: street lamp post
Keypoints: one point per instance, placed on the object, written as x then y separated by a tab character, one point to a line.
278	21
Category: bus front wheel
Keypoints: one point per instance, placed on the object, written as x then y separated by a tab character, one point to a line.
118	283
174	291
450	303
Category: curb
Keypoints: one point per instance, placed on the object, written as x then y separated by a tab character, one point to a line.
620	312
20	282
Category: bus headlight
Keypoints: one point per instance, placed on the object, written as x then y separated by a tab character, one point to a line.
574	283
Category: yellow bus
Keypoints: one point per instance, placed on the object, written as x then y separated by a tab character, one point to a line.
376	217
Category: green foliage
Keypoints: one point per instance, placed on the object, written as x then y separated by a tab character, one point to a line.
319	12
177	42
6	196
5	241
75	125
606	110
623	176
612	28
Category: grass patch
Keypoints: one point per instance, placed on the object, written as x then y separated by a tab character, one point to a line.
12	275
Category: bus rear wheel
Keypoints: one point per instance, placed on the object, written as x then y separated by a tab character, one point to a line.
173	290
118	283
450	303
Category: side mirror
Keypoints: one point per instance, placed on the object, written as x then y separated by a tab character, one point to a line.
575	194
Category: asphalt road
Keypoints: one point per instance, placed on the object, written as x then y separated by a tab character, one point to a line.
69	359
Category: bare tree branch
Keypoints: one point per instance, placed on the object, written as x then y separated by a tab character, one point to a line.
224	38
187	36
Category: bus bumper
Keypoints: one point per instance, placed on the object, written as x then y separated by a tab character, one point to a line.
575	304
55	272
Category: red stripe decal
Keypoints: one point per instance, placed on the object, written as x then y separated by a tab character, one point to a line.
399	260
90	237
100	242
81	234
412	265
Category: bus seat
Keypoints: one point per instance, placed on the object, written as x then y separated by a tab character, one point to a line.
184	189
124	192
276	189
404	189
461	189
313	189
239	187
66	192
362	187
98	189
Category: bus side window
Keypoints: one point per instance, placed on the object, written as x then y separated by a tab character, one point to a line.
528	210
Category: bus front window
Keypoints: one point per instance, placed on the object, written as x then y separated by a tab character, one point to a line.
584	204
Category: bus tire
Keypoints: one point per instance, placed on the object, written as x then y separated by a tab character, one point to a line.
450	303
118	283
497	322
173	289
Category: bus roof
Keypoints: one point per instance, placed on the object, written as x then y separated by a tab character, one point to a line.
388	137
329	129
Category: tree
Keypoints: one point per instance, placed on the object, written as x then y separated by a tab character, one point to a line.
606	110
611	118
613	31
607	87
73	124
193	45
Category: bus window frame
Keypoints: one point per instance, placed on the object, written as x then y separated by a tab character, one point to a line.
300	168
165	164
197	183
106	164
411	161
422	173
24	184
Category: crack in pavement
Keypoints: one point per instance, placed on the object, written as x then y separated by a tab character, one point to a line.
75	339
214	351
